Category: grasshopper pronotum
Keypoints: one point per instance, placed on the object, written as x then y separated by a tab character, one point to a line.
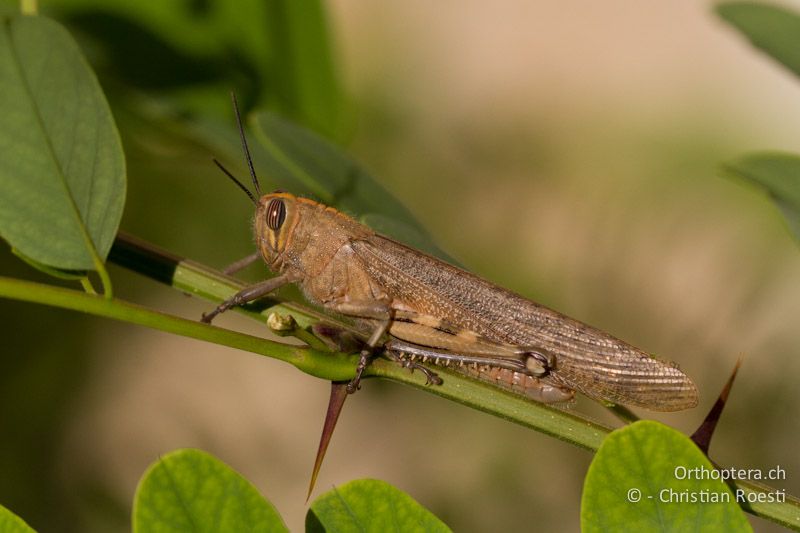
431	311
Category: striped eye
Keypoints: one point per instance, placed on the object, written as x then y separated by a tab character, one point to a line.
276	214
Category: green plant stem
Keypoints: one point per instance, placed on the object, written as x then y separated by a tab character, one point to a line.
623	413
86	283
314	362
199	280
105	279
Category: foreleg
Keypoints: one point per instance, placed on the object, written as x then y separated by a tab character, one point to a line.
249	294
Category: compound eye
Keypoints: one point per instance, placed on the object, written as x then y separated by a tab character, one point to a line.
276	214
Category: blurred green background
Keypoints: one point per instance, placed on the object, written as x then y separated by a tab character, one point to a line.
566	150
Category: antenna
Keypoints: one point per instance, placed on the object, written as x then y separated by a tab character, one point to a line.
237	182
244	146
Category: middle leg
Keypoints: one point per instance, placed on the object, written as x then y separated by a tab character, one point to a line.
379	311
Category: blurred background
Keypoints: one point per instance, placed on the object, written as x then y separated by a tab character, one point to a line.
568	150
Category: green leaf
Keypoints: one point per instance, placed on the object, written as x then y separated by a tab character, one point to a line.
62	170
277	54
774	30
370	505
779	175
304	75
643	478
11	523
190	490
298	160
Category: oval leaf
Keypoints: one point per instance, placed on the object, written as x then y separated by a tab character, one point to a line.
204	46
303	67
638	482
779	175
190	490
370	505
11	523
772	29
62	169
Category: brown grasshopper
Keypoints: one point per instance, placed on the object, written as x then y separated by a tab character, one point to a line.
431	311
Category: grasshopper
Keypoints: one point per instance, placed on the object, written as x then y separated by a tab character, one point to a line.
420	309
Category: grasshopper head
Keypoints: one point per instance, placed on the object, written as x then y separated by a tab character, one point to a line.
276	218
